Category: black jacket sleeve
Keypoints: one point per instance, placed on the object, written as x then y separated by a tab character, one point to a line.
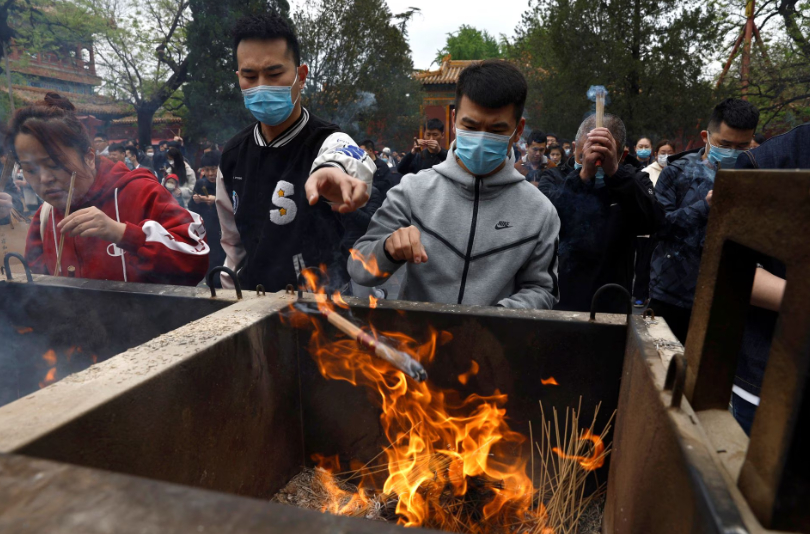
407	163
635	193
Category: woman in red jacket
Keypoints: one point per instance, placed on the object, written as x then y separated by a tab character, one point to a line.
123	225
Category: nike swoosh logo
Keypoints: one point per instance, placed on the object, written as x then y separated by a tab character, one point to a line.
502	227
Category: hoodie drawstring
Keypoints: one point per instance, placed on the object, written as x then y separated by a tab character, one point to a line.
118	219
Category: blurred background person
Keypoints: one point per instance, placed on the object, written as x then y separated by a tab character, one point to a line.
536	161
203	202
426	152
645	244
643	151
663	149
179	167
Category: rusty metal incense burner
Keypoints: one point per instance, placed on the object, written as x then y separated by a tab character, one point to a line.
195	429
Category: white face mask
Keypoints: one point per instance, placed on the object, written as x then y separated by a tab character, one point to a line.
662	159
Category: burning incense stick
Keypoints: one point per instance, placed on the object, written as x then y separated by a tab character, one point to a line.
402	361
397	358
62	235
598	95
600	110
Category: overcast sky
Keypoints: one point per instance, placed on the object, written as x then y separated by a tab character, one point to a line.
428	30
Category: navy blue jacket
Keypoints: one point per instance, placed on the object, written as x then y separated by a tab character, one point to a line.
598	228
681	191
790	150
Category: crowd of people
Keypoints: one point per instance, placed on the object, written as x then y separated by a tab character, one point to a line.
502	216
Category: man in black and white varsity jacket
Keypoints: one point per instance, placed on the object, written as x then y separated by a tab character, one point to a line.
273	174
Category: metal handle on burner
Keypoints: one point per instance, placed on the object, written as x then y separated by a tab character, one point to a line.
209	278
609	287
7	260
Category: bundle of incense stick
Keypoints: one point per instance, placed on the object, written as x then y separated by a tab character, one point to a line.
598	95
600	109
397	358
62	235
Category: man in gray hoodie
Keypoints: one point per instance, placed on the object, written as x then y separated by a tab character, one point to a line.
470	230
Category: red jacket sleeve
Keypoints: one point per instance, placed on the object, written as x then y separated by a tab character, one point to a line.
34	248
168	242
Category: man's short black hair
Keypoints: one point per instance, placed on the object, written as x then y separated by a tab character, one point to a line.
434	124
100	135
369	144
116	147
736	113
210	159
550	134
266	26
493	83
537	137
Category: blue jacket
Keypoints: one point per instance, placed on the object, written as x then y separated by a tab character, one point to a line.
790	150
681	190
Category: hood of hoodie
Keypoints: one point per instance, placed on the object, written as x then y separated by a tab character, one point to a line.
491	185
689	157
110	176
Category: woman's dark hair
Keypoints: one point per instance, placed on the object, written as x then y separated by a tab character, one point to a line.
53	123
661	143
177	164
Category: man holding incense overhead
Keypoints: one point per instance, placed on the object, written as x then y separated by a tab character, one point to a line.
122	225
603	206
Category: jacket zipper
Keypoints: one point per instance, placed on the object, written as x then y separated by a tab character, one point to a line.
470	241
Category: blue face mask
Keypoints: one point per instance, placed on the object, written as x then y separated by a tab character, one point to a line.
481	152
644	153
269	104
599	179
723	158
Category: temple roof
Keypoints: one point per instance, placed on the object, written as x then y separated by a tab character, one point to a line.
96	105
448	73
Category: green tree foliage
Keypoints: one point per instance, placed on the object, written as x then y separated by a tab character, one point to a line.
141	51
650	54
359	68
779	79
41	26
469	43
215	106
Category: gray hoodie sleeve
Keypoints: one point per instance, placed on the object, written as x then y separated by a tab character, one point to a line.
536	281
395	213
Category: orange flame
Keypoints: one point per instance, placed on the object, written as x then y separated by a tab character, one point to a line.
23	329
369	264
50	377
441	444
337	298
465	377
372	301
589	463
549	381
50	357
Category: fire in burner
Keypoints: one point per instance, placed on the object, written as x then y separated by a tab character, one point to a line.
451	463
